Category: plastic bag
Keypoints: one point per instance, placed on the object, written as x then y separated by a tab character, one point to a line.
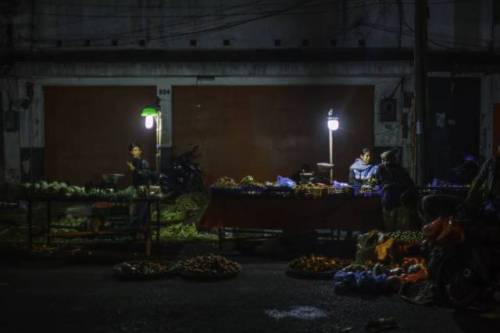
285	182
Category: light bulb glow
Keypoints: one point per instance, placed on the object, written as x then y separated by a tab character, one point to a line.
333	124
149	122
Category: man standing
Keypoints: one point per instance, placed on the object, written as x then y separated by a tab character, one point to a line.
141	176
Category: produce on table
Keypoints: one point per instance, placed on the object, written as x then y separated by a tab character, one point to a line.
72	222
208	267
181	232
141	270
225	182
170	215
184	206
249	181
315	264
63	190
187	203
312	190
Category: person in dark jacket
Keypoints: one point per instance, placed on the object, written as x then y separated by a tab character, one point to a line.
361	171
141	172
398	193
397	185
141	175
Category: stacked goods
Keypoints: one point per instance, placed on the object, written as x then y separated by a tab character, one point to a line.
185	206
60	190
311	190
406	236
387	247
312	266
181	232
250	182
187	203
208	267
380	278
141	270
225	182
45	189
70	222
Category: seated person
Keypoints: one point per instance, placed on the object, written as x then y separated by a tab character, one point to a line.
361	171
397	185
398	194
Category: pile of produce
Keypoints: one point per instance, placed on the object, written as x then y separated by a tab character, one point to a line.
406	236
62	190
387	247
312	190
208	267
70	222
314	267
141	270
225	182
181	232
249	181
43	188
379	278
184	206
187	202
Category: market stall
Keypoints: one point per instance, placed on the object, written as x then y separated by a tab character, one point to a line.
297	209
297	214
52	193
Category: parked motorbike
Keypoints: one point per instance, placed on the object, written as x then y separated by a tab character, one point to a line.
183	175
464	271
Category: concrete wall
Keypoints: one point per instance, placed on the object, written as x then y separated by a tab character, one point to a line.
173	24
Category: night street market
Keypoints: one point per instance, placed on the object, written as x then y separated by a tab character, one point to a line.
250	166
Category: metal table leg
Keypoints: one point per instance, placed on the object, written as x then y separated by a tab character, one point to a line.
221	237
30	224
158	227
147	231
49	218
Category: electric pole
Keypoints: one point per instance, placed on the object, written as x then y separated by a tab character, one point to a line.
421	103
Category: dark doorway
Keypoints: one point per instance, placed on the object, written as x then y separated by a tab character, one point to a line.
452	123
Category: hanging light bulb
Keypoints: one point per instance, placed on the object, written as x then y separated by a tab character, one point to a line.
149	122
333	122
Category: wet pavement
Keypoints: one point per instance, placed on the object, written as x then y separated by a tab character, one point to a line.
42	297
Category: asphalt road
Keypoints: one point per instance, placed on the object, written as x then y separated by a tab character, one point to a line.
41	297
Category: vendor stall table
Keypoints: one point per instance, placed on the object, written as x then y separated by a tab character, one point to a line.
295	214
50	201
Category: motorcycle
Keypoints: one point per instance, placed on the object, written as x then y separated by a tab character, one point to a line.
183	175
465	270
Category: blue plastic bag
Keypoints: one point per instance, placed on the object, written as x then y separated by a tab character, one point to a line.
285	182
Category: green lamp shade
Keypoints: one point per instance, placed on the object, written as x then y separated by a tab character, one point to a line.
149	111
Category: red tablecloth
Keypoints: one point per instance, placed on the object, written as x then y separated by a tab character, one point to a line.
342	212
